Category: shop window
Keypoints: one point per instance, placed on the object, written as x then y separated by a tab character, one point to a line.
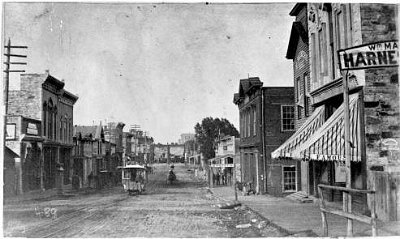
289	178
287	117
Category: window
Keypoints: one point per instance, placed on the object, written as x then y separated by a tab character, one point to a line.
298	90
254	121
287	117
61	125
248	123
44	118
299	112
289	179
306	95
330	30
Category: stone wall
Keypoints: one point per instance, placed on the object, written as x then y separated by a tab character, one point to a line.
381	92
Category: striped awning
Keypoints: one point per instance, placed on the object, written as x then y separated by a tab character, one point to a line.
313	123
328	142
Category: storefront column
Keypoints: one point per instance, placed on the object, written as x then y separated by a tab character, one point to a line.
18	167
257	173
41	164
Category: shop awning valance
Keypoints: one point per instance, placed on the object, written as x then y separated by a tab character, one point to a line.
327	141
313	123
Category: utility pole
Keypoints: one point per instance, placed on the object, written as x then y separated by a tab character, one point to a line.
347	195
7	70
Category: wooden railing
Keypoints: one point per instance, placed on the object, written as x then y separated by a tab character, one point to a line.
346	213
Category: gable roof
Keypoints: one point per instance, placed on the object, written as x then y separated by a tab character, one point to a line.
296	9
246	85
296	33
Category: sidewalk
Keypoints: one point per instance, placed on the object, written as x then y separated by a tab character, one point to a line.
298	217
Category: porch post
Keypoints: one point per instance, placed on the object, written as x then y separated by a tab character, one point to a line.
347	195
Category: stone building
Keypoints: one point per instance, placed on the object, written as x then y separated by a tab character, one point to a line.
266	121
374	106
42	97
25	140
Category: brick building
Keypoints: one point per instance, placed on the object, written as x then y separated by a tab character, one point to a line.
374	106
266	121
113	134
42	97
90	156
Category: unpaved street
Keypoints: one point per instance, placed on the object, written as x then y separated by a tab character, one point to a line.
183	209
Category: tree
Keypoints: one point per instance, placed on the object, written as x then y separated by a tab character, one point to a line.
209	130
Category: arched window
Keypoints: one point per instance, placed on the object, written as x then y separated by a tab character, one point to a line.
44	117
66	129
61	125
50	119
55	122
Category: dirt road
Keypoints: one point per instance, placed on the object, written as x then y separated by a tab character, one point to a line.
183	209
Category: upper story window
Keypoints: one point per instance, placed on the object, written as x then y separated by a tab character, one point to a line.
307	97
330	30
298	88
254	121
287	117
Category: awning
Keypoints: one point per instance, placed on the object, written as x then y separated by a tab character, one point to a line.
308	128
326	142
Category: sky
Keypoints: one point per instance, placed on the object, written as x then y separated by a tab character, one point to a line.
164	67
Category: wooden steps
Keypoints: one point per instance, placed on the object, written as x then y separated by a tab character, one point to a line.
300	196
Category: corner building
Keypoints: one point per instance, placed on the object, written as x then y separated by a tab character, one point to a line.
42	97
374	107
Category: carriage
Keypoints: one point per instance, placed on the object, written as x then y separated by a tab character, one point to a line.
134	179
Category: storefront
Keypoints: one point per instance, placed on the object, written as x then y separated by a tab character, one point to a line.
320	143
222	170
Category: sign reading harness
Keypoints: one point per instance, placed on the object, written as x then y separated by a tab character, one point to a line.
373	55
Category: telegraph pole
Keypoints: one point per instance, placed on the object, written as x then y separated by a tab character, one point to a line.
7	71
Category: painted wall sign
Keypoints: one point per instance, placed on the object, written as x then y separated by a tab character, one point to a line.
32	129
340	172
373	55
390	144
325	157
10	131
221	165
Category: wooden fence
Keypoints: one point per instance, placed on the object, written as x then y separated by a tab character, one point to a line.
387	191
346	213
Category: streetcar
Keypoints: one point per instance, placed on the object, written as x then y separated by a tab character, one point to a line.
134	179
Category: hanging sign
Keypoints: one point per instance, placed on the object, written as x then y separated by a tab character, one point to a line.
372	55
